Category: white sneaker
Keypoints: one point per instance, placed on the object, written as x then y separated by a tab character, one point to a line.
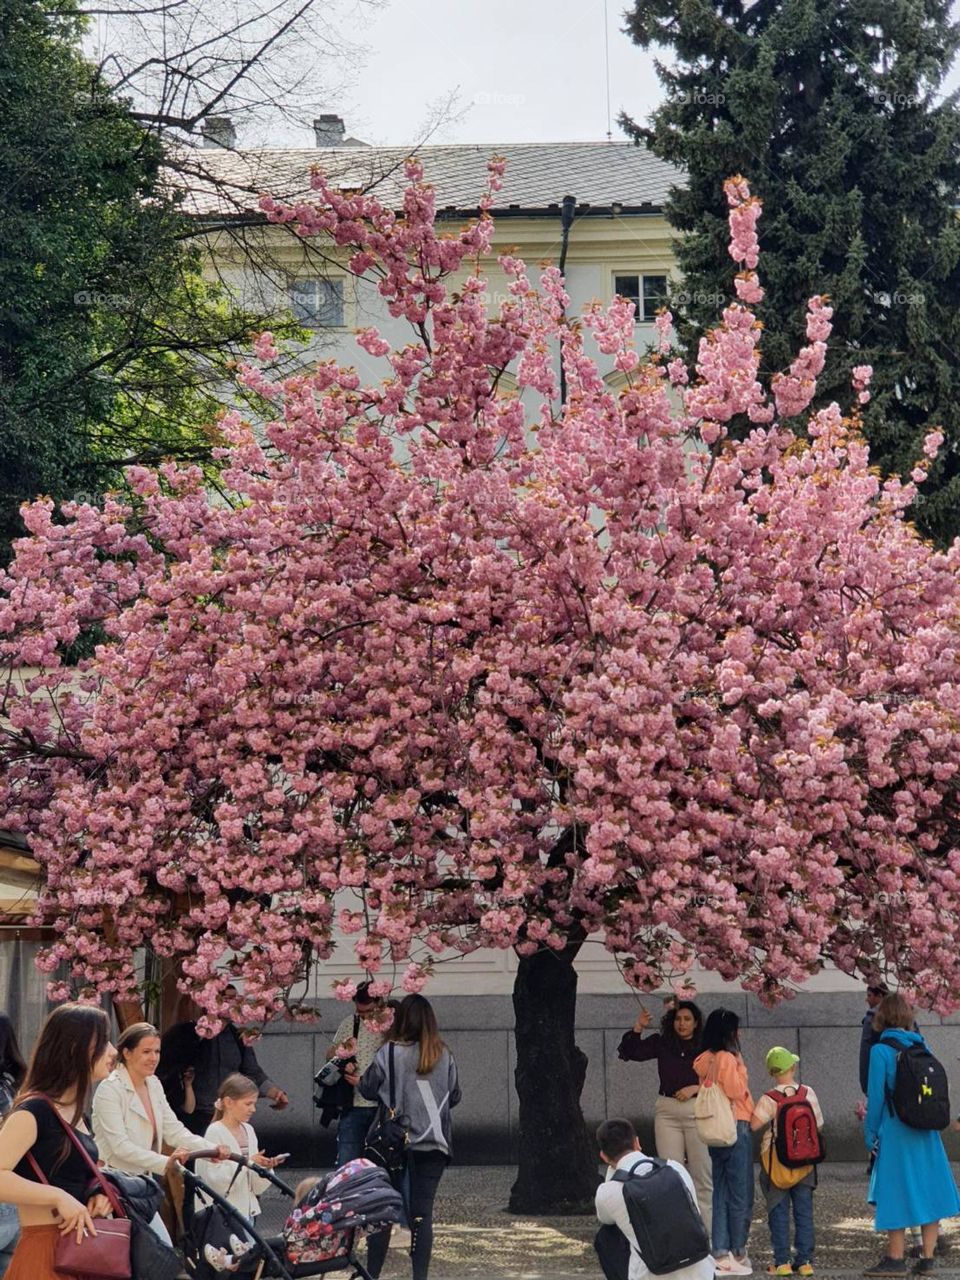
216	1258
239	1247
728	1265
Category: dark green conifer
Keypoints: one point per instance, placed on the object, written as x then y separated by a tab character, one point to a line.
833	109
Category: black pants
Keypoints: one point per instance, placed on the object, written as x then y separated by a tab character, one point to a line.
613	1250
425	1169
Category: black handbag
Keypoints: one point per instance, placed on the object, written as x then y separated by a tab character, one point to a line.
140	1194
150	1257
388	1136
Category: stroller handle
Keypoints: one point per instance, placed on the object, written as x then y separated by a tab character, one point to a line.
208	1153
213	1153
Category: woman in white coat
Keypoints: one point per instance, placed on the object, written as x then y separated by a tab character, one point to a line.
132	1118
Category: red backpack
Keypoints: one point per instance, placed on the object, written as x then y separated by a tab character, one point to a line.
795	1134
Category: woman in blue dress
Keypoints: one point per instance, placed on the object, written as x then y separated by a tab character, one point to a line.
911	1180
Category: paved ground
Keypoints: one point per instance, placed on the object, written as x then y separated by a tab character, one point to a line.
477	1236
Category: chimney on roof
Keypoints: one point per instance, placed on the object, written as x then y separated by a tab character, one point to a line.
218	131
329	131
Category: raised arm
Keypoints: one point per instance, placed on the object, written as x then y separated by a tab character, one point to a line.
637	1048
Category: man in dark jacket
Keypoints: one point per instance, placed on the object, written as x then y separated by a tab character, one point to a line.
869	1037
207	1063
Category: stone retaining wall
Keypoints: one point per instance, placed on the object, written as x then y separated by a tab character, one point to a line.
823	1028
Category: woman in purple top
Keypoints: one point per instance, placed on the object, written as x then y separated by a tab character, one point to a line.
674	1047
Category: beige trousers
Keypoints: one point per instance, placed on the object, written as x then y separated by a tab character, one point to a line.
675	1131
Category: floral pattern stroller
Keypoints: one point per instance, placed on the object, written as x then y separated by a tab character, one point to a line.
321	1235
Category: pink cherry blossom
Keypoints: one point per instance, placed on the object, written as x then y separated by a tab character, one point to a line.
932	442
439	669
370	340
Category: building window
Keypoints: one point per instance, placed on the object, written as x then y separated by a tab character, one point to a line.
317	303
647	293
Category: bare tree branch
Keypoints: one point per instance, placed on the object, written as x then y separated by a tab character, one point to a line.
178	61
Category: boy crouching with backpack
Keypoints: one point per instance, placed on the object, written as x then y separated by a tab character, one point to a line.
790	1150
648	1207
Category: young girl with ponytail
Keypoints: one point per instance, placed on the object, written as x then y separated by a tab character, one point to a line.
231	1128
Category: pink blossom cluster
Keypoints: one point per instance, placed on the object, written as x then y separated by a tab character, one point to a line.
794	390
511	671
862	375
745	210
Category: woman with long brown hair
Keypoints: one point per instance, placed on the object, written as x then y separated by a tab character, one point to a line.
721	1062
72	1054
425	1087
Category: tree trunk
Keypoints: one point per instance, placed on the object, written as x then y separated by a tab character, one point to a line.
557	1170
127	1012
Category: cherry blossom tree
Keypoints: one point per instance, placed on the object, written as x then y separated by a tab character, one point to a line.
442	668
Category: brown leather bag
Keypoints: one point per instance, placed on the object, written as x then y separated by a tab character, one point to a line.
105	1256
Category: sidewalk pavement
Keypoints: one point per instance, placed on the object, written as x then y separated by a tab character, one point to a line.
475	1235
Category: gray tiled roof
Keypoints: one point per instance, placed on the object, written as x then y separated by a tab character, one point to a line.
538	175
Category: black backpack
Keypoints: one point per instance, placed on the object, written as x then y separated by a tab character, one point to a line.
388	1136
921	1094
335	1096
669	1230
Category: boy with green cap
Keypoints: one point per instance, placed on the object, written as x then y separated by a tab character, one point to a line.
783	1186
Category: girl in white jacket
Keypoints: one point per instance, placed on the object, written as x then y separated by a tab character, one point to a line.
235	1105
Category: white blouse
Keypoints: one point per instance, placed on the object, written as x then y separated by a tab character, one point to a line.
219	1175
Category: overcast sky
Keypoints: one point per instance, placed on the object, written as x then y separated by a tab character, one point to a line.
402	72
521	71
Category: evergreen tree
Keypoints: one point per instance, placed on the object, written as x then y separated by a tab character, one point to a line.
113	347
832	110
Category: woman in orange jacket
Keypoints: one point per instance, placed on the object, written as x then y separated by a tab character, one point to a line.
722	1062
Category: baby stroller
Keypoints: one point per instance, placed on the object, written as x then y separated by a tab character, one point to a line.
208	1218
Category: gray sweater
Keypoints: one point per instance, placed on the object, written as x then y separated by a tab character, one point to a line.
422	1102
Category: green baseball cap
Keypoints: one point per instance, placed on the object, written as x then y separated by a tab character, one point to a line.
780	1060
